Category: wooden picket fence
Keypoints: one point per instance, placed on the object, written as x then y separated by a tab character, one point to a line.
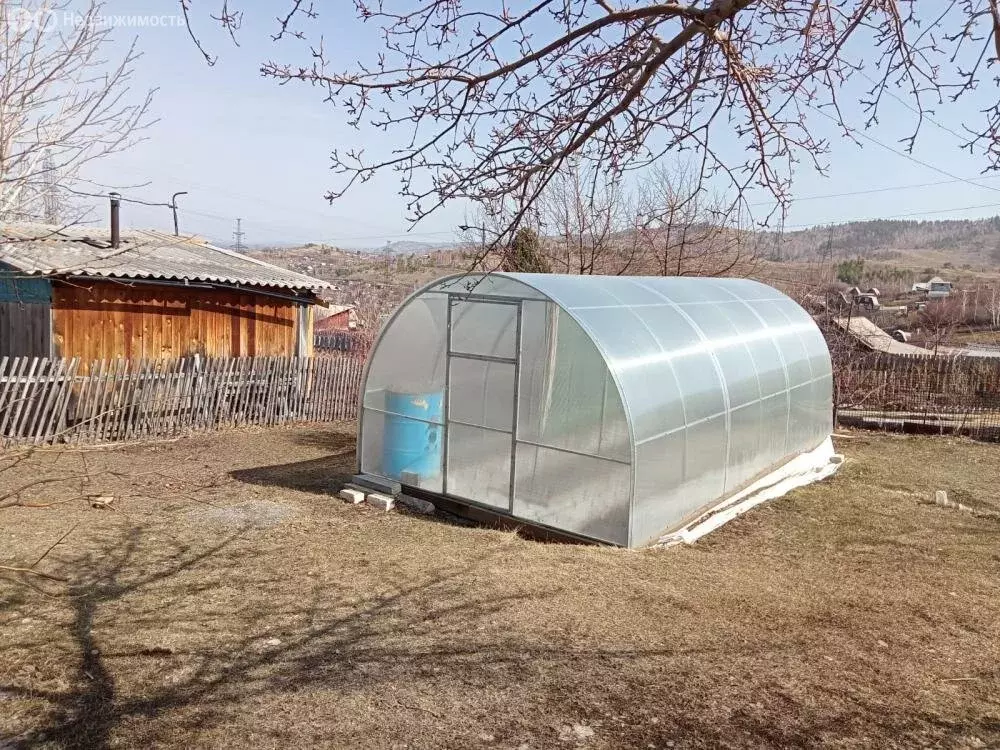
46	401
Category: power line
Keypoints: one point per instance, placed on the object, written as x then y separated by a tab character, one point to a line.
270	225
821	224
884	189
896	151
962	139
451	233
285	208
122	198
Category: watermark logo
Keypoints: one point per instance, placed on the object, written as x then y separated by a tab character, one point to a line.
24	19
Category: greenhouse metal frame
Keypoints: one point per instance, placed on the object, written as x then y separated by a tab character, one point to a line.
614	409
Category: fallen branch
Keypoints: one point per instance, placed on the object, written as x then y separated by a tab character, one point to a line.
29	571
57	543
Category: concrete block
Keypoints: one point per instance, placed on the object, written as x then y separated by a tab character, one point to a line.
378	484
380	501
352	495
416	504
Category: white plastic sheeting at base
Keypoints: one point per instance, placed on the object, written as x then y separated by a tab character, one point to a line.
804	469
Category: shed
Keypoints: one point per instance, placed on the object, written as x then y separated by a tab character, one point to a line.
70	292
609	408
337	318
938	287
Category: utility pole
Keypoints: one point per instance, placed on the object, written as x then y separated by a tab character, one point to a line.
779	237
387	253
238	236
50	198
173	207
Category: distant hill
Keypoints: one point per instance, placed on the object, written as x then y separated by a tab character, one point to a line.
357	275
907	249
972	242
407	247
969	242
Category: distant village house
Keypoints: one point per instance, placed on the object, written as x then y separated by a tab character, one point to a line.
336	318
935	288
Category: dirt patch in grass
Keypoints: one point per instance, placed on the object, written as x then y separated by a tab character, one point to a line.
229	600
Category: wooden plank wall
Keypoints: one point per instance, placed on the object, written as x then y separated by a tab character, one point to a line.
25	329
106	320
44	401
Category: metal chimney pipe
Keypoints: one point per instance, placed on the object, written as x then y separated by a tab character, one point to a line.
115	227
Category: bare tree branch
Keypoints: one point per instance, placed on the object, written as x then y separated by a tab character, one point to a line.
488	102
62	106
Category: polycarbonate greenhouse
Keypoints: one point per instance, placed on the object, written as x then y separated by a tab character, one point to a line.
611	408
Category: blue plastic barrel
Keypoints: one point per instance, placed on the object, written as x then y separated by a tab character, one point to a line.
411	445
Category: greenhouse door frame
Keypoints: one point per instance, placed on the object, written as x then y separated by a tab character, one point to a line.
515	361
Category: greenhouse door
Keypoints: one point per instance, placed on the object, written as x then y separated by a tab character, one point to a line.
481	399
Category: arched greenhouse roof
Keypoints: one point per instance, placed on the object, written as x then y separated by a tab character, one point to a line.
637	402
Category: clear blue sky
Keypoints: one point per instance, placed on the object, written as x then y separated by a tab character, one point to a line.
244	146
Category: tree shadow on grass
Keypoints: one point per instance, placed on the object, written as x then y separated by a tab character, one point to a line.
175	638
325	475
341	649
334	438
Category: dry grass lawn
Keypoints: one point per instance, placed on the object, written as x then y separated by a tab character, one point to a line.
228	600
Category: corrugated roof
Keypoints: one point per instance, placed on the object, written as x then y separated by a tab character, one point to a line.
332	310
869	334
43	250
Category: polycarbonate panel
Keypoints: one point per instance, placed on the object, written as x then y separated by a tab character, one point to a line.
659	487
481	393
410	355
478	465
774	429
821	416
680	290
483	328
614	441
787	336
761	342
373	448
795	313
740	374
567	398
802	416
580	494
630	292
671	328
744	445
746	289
769	365
705	383
793	352
711	321
819	355
569	293
372	442
643	369
486	285
705	467
700	385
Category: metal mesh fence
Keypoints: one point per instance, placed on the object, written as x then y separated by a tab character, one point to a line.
939	394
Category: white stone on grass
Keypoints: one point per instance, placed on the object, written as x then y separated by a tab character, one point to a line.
382	502
352	496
